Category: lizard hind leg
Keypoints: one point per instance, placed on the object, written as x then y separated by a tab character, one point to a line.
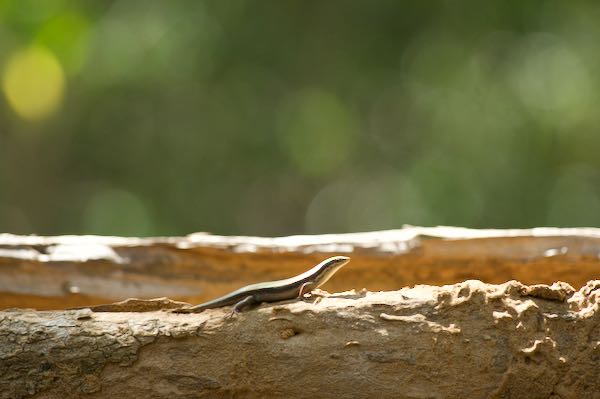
247	301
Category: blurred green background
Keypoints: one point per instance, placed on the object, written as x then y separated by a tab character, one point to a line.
281	117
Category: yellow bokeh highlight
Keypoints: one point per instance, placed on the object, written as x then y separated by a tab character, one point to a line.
33	82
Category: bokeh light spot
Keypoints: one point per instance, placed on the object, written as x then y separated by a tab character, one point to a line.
366	202
33	82
549	75
117	212
317	131
67	35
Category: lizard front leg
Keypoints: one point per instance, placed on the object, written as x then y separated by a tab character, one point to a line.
316	293
304	289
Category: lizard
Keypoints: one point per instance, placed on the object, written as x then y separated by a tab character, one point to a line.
274	291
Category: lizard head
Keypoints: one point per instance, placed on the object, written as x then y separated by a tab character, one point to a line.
329	266
336	261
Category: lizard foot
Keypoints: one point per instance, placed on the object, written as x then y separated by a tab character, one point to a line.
315	296
231	315
317	293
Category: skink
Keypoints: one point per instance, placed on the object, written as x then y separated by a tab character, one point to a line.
273	291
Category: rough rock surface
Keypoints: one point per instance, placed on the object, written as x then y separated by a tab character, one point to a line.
468	340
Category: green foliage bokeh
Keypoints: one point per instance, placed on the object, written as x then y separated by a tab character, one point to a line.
286	117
